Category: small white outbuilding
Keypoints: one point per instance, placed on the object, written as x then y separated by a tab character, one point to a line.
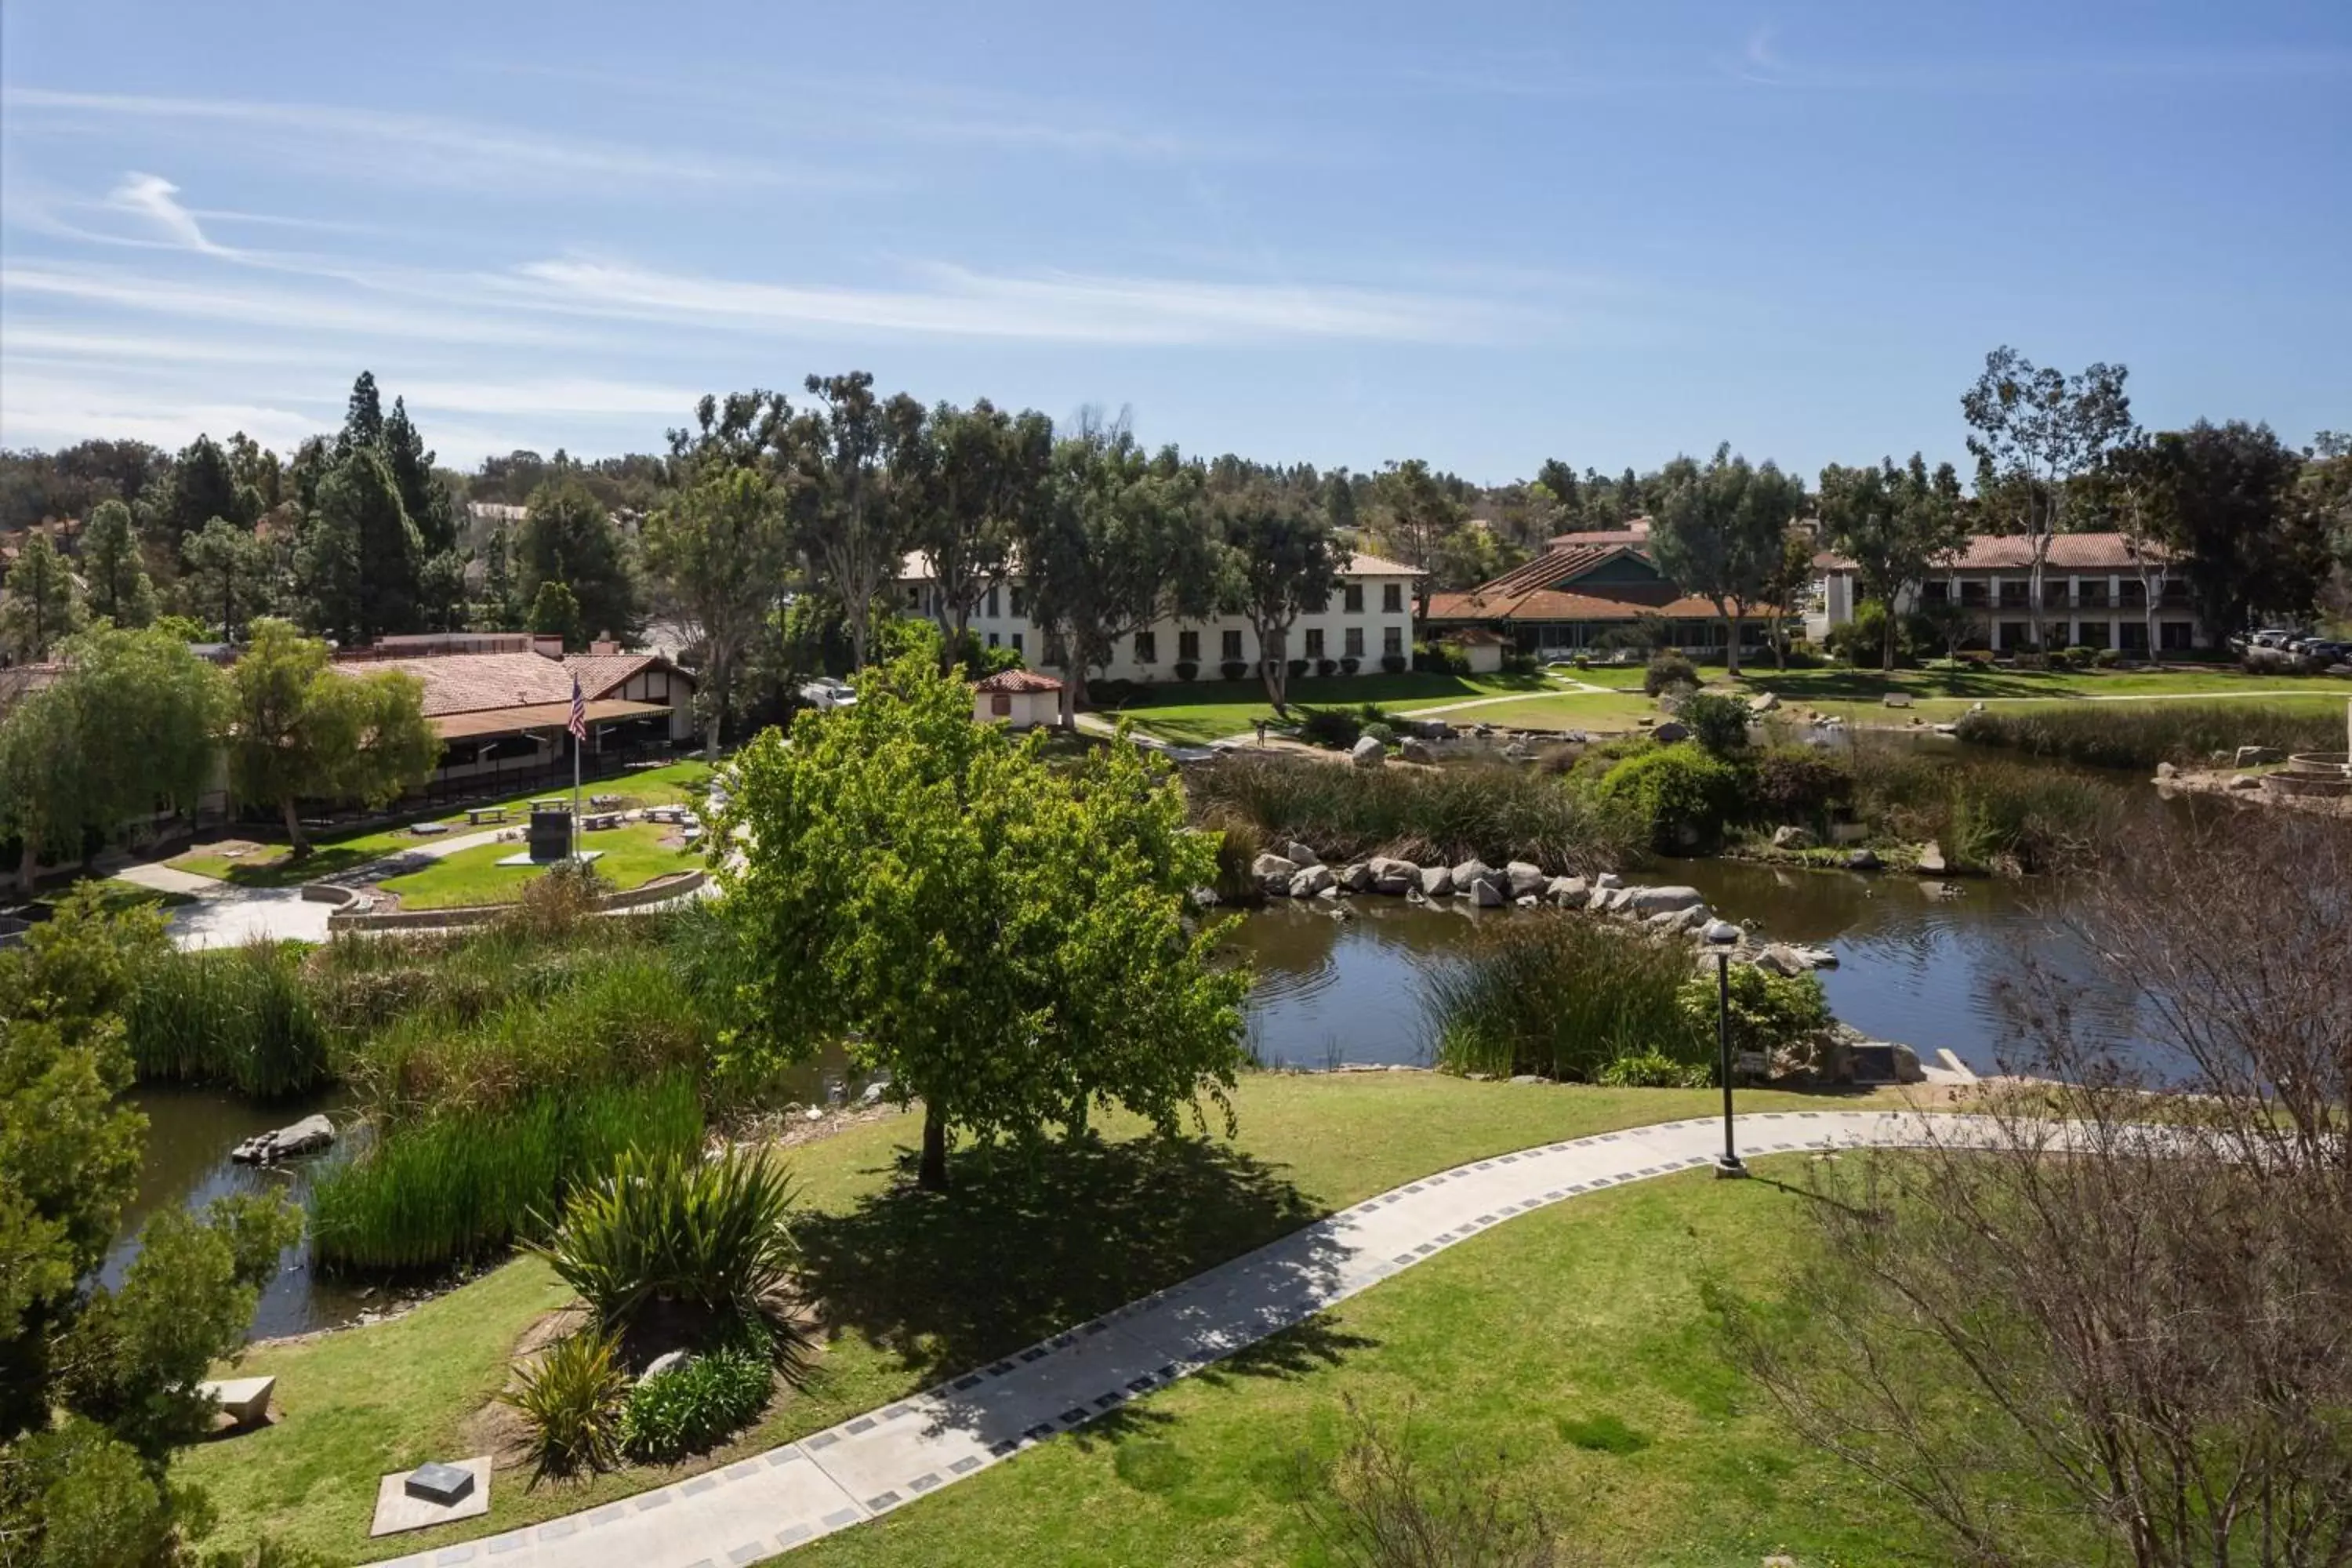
1023	698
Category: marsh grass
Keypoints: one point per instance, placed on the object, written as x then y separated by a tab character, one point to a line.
2142	734
1564	996
240	1016
1449	814
1987	811
463	1186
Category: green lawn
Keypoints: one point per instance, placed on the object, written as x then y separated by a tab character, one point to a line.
1607	711
1973	683
115	896
672	783
632	857
1203	710
916	1287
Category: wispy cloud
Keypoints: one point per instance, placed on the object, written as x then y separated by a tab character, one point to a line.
430	149
155	199
273	306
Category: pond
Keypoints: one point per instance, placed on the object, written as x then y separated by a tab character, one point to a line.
1915	965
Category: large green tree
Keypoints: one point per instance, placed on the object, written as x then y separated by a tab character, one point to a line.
989	472
1280	563
362	557
202	486
1893	523
38	602
228	577
2227	501
1120	540
1008	938
719	551
858	468
116	577
568	537
1418	520
125	731
97	1383
2034	430
298	729
1717	533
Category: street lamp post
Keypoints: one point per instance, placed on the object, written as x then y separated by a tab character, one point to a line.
1727	1167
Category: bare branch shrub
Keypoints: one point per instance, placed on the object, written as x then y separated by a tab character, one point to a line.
1376	1506
2112	1320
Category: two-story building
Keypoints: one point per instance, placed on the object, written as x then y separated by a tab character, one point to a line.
2096	592
1580	590
1367	624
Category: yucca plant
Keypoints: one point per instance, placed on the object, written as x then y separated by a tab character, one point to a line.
572	1400
714	1235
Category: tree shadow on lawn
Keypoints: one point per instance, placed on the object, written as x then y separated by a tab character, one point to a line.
1023	1250
1837	685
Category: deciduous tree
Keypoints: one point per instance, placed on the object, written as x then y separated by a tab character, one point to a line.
989	477
1008	939
2226	499
300	730
1415	521
720	549
857	473
1717	533
1893	523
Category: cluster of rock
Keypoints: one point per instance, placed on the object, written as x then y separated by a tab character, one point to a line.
307	1136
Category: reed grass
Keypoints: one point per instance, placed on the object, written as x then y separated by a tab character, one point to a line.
240	1016
463	1186
2141	734
1495	811
1565	996
1986	811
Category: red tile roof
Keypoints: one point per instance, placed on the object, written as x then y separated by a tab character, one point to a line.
2013	552
1018	680
477	682
1557	604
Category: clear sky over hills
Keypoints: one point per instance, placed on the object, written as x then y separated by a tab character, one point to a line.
1484	234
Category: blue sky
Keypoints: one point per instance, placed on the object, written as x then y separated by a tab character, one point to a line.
1484	235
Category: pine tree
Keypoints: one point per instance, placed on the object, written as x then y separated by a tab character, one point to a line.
363	417
110	564
40	605
361	556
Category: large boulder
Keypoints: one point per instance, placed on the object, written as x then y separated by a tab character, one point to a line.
1931	859
1598	900
1274	873
1674	923
1862	859
1393	877
1782	960
1310	880
1416	750
1673	730
1609	879
1469	871
1356	877
1567	891
1763	702
1646	901
1299	853
1792	837
1526	878
1436	881
1368	752
1487	893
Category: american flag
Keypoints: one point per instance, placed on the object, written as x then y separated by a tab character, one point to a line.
579	725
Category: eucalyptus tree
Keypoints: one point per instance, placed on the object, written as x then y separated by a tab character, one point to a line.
1417	520
1893	523
1717	532
720	549
2033	431
988	471
856	468
1279	562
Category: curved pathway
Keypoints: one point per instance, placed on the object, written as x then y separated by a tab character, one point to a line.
886	1459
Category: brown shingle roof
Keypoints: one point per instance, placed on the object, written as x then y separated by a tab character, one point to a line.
1558	604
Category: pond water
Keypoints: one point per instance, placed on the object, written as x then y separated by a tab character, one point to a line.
1914	965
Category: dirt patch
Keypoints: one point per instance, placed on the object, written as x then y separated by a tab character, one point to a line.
790	1128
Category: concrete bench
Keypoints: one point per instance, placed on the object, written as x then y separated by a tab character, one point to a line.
245	1400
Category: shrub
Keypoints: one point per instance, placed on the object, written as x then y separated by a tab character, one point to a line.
1768	1012
1654	1070
711	1236
1718	723
1324	669
1394	663
1492	809
571	1402
1381	733
1518	663
1666	671
695	1407
243	1016
1799	784
462	1185
2107	657
1349	664
1984	810
1562	996
1187	668
1298	668
1233	668
2139	735
1681	793
1336	728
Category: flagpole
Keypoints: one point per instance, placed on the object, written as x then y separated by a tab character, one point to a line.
578	744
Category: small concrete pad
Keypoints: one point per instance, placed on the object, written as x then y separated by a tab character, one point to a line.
395	1510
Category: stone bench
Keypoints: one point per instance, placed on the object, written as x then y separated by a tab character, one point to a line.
245	1400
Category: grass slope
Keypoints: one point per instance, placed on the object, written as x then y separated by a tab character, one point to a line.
632	857
915	1287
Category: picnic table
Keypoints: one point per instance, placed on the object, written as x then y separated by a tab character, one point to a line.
480	814
605	802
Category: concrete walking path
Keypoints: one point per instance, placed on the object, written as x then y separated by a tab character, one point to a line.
886	1459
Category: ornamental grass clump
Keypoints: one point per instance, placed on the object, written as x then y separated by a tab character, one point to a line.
1565	996
2141	734
573	1400
711	1238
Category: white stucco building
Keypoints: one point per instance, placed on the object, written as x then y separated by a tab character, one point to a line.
2097	591
1366	622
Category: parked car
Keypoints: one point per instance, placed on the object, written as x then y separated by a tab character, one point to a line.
2274	637
826	692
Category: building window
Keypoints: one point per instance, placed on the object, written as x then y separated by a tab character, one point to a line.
2132	636
1020	600
1188	646
991	639
1392	639
1351	598
2012	595
2015	634
2174	637
1016	642
1147	647
1391	598
1229	645
992	602
1973	595
1935	592
2091	634
1354	642
1315	642
1000	704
